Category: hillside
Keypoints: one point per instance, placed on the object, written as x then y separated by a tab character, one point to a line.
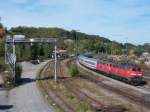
94	43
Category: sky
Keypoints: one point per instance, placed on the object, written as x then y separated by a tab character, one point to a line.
119	20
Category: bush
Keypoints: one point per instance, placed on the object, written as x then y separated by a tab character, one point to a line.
8	81
73	70
85	108
18	73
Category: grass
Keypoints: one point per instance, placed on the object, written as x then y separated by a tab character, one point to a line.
2	61
73	70
85	108
18	73
2	64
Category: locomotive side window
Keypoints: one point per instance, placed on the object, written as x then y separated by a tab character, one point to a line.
139	69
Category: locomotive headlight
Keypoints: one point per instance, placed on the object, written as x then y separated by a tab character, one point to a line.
133	74
139	74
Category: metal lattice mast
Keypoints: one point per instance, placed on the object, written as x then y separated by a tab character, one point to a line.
10	53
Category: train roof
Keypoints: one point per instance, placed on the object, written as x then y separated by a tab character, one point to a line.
88	57
117	64
112	62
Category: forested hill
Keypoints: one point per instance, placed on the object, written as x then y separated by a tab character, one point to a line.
94	43
43	32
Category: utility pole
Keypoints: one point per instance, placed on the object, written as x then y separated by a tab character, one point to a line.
55	77
5	49
14	56
126	50
76	43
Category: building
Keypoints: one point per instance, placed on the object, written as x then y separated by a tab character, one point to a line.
60	54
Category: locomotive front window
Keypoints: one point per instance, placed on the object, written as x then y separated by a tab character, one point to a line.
139	69
133	69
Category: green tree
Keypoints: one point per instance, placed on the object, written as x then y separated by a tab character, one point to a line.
42	53
1	48
34	52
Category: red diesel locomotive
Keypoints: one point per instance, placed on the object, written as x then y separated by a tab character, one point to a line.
128	73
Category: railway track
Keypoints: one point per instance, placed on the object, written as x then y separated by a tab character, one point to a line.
82	96
147	78
53	94
146	88
146	74
76	90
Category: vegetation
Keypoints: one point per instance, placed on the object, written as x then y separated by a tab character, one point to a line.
85	108
8	81
73	70
33	52
86	43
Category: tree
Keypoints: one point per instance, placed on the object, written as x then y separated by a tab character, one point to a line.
93	43
42	53
34	52
60	43
1	48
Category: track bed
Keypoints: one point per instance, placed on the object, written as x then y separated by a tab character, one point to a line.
84	93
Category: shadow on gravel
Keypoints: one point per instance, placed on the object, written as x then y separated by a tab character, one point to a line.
143	83
24	81
60	77
5	107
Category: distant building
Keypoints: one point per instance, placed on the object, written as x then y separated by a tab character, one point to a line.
60	54
147	63
19	37
146	54
68	40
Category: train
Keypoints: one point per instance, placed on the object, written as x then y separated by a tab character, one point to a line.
127	73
